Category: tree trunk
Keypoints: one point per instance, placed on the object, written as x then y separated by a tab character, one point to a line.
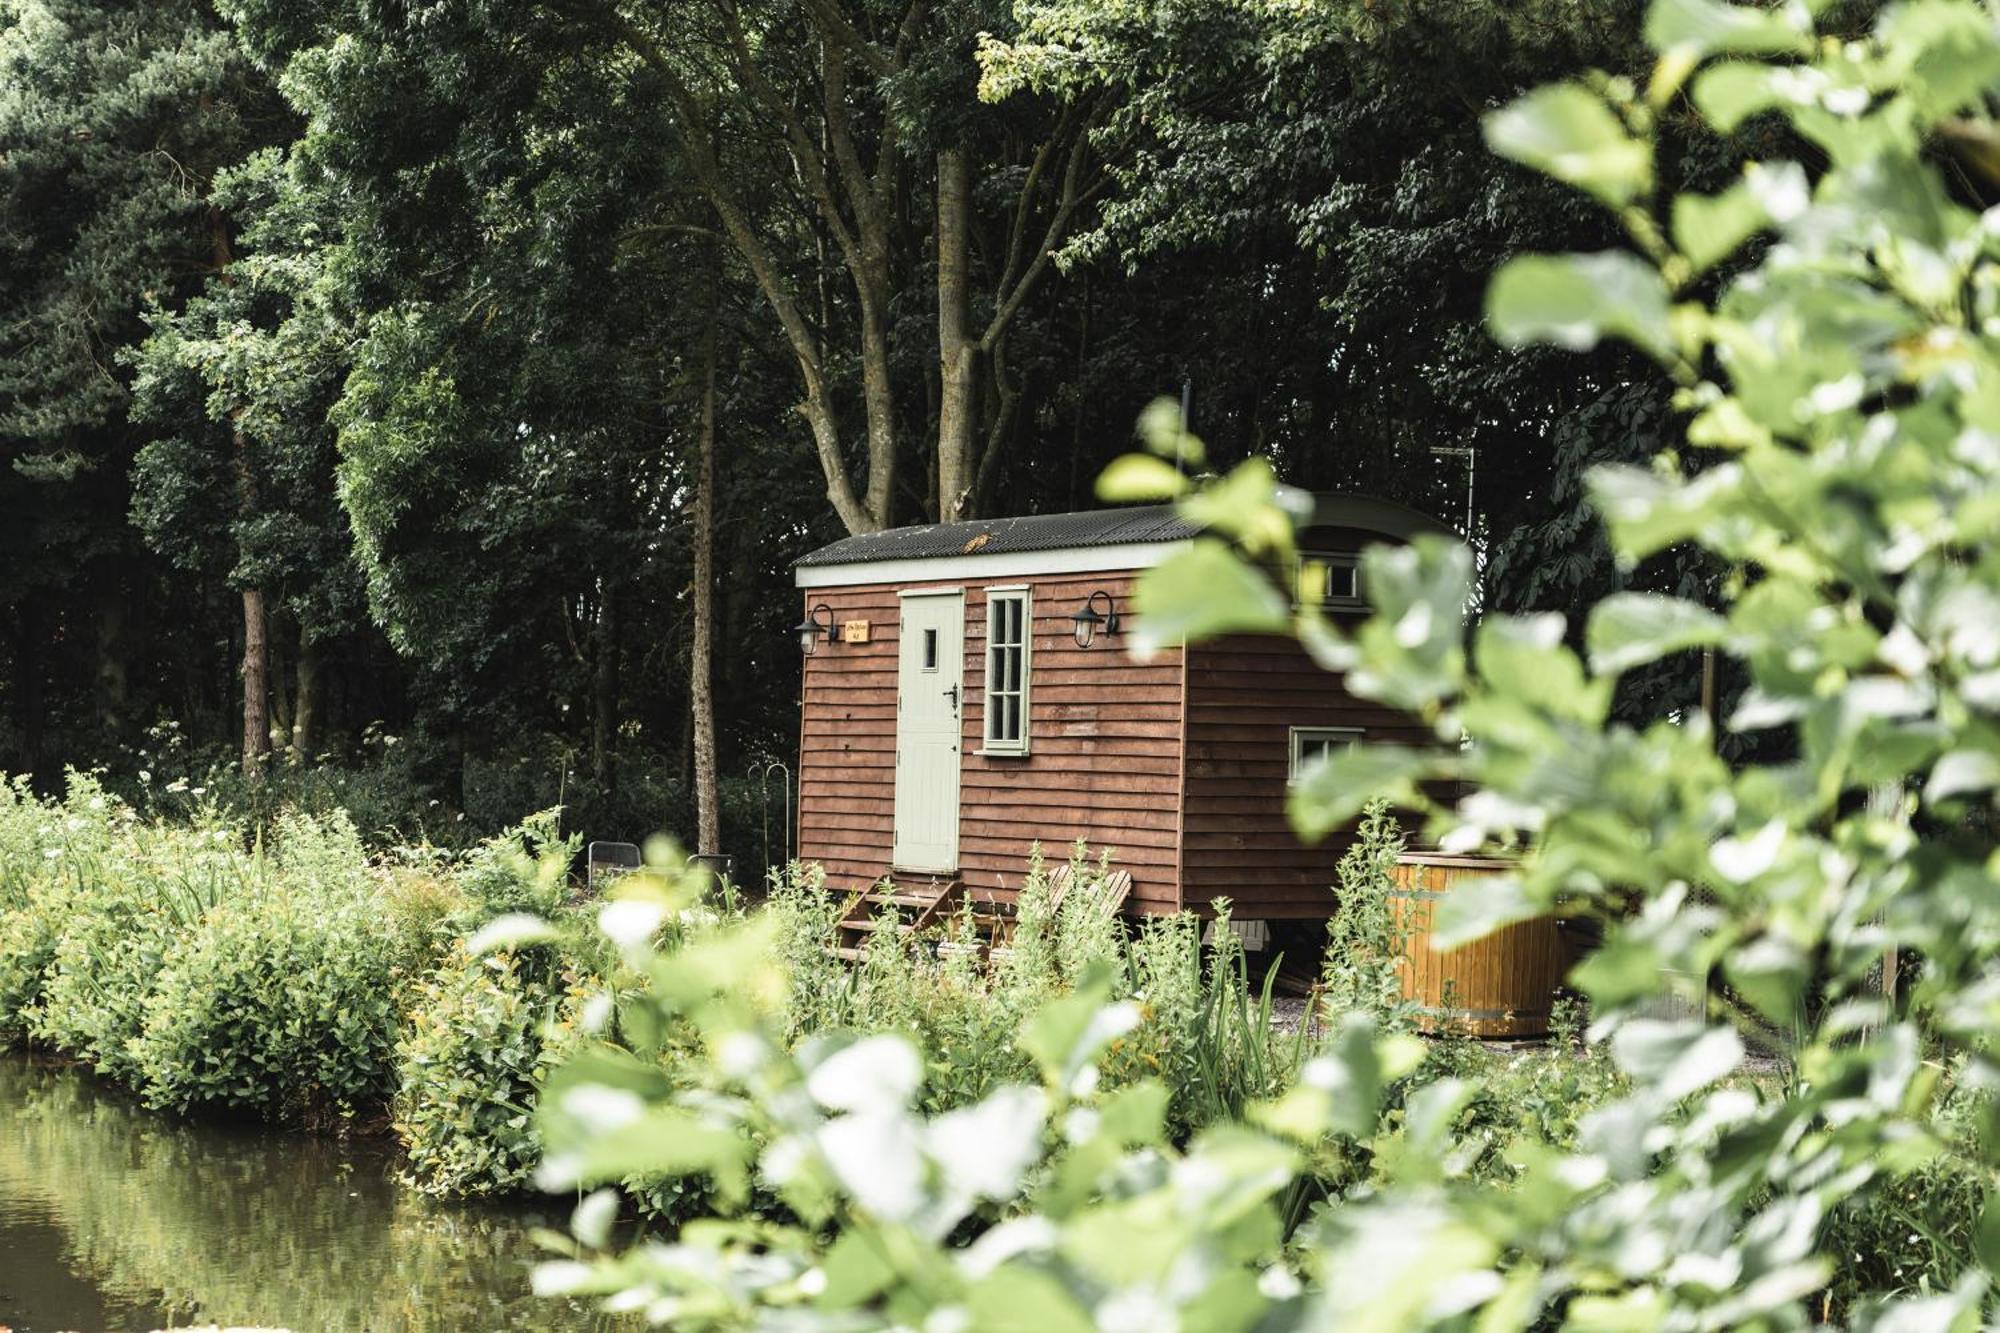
877	392
256	658
29	717
604	697
701	681
113	680
305	699
956	352
256	715
278	670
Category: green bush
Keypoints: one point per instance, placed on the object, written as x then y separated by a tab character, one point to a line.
804	915
121	893
1363	967
522	869
27	948
283	1002
480	1038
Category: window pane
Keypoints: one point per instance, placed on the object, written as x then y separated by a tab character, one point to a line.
1007	630
930	650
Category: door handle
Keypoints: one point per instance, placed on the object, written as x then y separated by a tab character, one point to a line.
953	692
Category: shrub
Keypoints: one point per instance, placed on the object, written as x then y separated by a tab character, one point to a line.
804	915
523	869
27	948
1086	934
119	902
479	1040
1363	967
1031	964
283	1002
1166	979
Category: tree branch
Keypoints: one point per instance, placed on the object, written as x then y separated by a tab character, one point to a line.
689	129
826	14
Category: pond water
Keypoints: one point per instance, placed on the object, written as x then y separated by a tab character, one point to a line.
116	1218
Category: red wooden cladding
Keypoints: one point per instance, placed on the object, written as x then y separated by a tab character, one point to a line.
1245	695
1179	766
1104	760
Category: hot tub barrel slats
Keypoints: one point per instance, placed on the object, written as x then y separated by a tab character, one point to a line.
1501	986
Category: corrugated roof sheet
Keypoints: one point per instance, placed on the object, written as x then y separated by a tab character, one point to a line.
1002	536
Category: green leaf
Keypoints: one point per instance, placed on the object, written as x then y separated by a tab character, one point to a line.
1568	132
511	930
1166	434
1630	629
1065	1036
1338	1091
1730	93
1574	301
1332	790
1986	1237
1479	906
1136	1115
1708	27
1960	772
1243	506
1524	656
1677	1059
591	1221
880	1072
1771	974
856	1268
1140	477
1200	593
1710	227
1016	1299
1647	511
1411	653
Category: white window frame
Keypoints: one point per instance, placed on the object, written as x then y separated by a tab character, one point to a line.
1349	560
1299	736
989	743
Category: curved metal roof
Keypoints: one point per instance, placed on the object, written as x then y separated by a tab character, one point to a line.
1002	536
1092	528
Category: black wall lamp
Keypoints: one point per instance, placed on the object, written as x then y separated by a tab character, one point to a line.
812	630
1088	618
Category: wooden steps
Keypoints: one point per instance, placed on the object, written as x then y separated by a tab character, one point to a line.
915	908
918	908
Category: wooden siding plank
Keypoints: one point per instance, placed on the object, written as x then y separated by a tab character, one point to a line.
1105	735
1244	695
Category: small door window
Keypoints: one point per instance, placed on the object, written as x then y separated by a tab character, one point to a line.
930	650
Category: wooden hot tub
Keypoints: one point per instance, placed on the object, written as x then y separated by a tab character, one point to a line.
1501	986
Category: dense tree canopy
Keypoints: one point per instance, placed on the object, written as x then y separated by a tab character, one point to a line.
369	368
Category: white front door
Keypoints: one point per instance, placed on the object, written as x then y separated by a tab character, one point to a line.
930	668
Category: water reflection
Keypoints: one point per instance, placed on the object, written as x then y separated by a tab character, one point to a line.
112	1217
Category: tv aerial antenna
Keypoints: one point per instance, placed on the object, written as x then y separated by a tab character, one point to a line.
1470	453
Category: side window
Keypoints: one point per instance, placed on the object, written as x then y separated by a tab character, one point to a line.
1312	744
1009	639
1331	578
